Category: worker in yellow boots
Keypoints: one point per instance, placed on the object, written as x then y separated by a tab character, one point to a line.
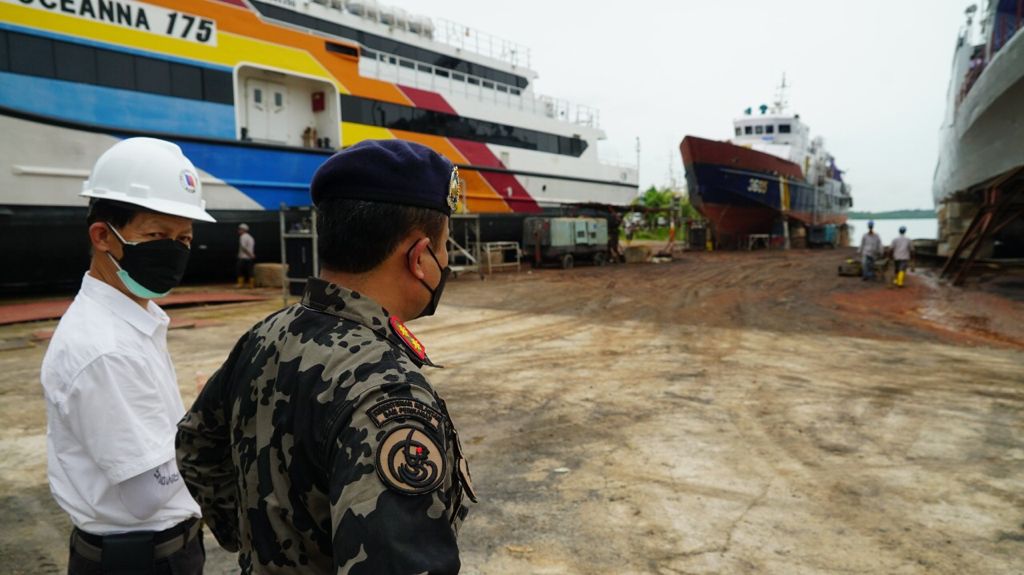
902	252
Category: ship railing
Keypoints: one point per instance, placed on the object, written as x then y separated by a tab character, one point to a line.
466	38
395	69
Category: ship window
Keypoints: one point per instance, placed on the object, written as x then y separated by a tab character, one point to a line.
31	55
341	49
218	87
257	96
75	63
547	142
502	88
153	76
115	70
278	99
748	130
440	72
769	129
488	84
186	82
758	129
4	61
391	60
406	64
395	116
459	77
474	81
739	131
369	54
383	44
784	128
514	91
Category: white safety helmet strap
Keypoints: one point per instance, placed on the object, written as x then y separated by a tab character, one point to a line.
150	173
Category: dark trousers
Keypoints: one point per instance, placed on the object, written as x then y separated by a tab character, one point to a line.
187	561
244	268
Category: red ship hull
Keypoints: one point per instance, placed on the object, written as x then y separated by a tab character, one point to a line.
742	192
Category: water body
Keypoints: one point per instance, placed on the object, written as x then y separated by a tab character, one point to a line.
918	229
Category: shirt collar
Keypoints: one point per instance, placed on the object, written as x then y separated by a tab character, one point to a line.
326	297
145	320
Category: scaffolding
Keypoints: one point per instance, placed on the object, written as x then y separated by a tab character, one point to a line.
1000	207
464	245
298	236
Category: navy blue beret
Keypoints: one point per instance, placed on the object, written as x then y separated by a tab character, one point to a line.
391	172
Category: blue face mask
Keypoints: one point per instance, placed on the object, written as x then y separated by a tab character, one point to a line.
151	269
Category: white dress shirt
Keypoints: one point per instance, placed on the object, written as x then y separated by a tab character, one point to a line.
112	404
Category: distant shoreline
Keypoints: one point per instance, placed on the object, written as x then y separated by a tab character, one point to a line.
893	215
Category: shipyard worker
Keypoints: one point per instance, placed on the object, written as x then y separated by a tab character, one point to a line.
111	393
870	250
902	252
246	257
320	446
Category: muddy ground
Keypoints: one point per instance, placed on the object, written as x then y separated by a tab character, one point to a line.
723	413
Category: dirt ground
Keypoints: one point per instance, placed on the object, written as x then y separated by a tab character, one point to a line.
722	413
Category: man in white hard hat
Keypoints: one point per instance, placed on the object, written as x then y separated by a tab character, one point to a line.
246	257
111	392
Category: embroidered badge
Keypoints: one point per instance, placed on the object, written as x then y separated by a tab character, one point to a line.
410	462
454	189
408	338
403	408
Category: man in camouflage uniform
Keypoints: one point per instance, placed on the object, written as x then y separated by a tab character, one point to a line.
319	446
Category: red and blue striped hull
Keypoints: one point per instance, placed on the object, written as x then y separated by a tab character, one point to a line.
742	191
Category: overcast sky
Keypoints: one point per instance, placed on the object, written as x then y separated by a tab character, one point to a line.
870	76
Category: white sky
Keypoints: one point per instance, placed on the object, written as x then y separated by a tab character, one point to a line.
870	76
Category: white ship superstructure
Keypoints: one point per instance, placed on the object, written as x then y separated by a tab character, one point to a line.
258	93
981	140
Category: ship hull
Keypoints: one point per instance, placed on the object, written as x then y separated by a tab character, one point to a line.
42	217
258	100
982	138
742	192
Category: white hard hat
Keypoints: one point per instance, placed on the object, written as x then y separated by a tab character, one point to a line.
243	227
150	173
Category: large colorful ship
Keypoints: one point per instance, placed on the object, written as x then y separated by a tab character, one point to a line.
770	180
979	177
258	94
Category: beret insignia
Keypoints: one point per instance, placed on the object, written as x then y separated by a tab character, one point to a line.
410	461
454	189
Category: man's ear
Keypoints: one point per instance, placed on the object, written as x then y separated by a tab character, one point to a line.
101	237
416	255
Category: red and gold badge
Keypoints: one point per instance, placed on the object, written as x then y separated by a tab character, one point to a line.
408	338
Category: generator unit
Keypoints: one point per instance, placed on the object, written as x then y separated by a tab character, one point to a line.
565	240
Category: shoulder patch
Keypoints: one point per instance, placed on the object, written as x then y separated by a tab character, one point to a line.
410	461
408	338
404	408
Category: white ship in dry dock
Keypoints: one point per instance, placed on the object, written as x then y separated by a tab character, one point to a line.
979	179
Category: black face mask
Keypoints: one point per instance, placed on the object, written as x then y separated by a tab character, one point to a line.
151	269
435	293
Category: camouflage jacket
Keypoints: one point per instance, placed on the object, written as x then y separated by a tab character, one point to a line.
319	447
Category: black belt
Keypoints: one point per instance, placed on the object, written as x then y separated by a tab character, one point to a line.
165	543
